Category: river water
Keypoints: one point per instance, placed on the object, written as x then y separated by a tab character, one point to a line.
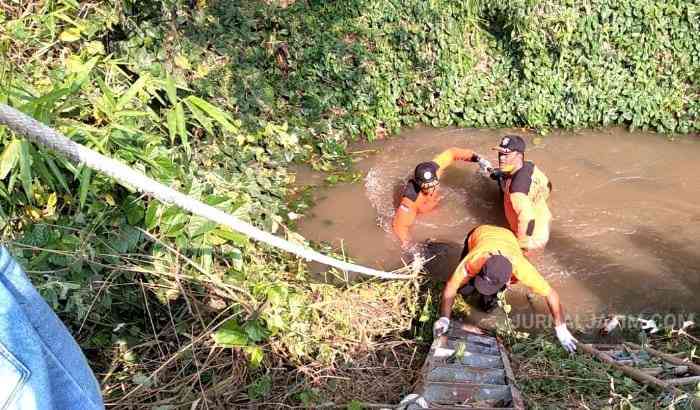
626	212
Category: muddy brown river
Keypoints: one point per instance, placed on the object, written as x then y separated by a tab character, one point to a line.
626	212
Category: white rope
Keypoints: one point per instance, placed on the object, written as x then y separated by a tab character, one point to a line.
50	138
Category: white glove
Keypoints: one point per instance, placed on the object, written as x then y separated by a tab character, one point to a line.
648	325
567	341
485	165
413	399
440	327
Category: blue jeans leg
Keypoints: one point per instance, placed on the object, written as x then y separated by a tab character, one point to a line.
41	365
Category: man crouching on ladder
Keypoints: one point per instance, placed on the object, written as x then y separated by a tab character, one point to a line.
492	260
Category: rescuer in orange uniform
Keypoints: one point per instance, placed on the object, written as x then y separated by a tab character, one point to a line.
491	260
421	195
525	192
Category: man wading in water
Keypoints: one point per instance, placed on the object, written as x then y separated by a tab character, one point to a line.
421	194
491	260
525	192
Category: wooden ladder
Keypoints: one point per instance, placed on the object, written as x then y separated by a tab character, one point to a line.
467	371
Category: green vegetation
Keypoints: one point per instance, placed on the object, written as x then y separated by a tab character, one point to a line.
548	377
367	68
217	99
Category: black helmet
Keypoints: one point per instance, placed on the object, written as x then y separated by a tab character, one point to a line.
426	174
511	143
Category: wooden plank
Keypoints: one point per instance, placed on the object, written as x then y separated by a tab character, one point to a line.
466	374
692	367
469	359
473	347
458	333
506	365
451	393
517	399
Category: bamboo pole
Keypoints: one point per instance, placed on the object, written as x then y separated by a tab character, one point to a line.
683	380
692	367
635	374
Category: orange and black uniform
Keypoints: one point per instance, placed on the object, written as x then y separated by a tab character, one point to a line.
488	240
525	195
414	202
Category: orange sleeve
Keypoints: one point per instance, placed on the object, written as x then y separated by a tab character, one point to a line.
403	219
530	277
474	265
458	276
447	157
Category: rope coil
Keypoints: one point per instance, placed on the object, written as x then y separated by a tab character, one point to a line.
47	137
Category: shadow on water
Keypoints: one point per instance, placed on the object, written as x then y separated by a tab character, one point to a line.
680	260
664	284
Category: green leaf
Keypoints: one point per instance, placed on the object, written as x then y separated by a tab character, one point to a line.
206	261
230	335
198	226
143	380
70	35
42	171
355	405
172	124
83	73
181	128
171	89
214	240
277	295
85	175
9	157
201	117
255	356
134	211
275	323
131	92
260	388
127	239
182	62
255	331
307	397
231	235
224	120
151	215
25	170
236	257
